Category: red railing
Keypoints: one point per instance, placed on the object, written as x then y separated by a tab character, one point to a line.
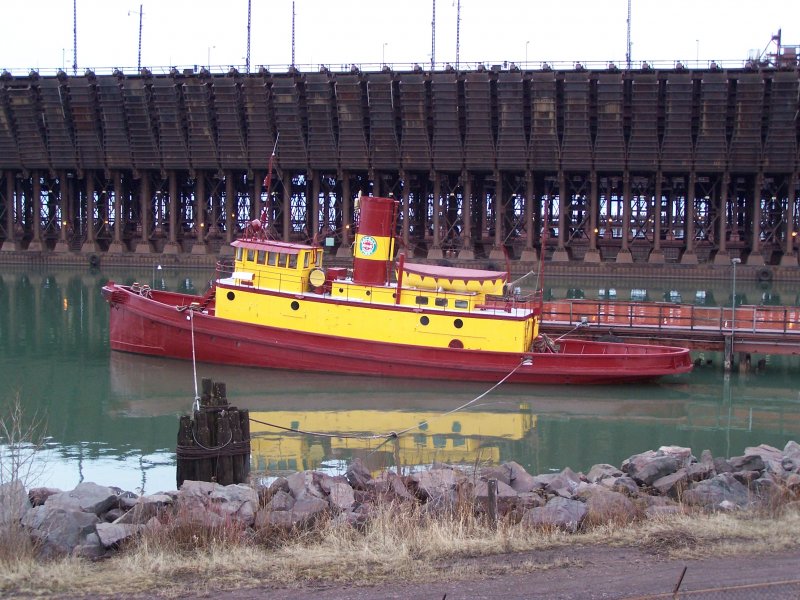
662	315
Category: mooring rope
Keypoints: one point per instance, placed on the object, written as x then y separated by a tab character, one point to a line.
194	362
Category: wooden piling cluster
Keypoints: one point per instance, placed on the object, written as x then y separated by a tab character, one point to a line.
214	442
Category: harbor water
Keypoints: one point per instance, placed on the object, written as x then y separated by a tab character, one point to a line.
112	418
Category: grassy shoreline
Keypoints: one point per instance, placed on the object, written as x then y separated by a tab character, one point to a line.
397	543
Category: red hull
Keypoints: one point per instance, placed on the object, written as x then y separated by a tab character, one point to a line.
156	327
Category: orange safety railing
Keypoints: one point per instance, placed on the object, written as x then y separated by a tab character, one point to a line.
662	315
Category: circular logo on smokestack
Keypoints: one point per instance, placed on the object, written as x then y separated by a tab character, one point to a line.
368	245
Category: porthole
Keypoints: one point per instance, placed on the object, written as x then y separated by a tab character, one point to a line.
455	344
458	323
341	290
424	320
369	293
295	305
231	296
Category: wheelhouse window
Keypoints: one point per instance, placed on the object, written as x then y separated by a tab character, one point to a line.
272	258
293	261
251	255
239	253
262	257
306	256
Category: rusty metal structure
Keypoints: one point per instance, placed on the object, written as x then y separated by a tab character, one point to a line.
632	166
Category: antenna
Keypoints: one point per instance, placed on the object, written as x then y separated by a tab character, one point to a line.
139	63
249	15
433	38
628	54
458	32
74	37
293	33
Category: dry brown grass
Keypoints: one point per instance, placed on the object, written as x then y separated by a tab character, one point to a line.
399	542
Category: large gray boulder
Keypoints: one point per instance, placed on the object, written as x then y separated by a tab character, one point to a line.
672	485
561	513
340	496
144	508
751	462
649	466
59	531
771	457
358	475
602	471
605	506
14	502
711	493
302	513
435	485
519	479
563	484
208	503
306	483
623	485
112	534
390	486
86	497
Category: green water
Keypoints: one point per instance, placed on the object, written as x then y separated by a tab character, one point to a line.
112	418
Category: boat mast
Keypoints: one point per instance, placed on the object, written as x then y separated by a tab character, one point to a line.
268	183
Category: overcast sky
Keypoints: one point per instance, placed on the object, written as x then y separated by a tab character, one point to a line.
38	34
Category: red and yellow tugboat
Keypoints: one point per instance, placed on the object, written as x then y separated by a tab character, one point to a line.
279	308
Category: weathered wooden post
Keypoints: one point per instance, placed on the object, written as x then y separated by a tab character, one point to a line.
491	501
214	444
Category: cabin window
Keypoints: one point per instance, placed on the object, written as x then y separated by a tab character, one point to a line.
239	253
440	302
422	300
272	258
305	259
424	320
262	257
293	261
461	304
251	254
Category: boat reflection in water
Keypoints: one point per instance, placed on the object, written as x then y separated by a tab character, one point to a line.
541	427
